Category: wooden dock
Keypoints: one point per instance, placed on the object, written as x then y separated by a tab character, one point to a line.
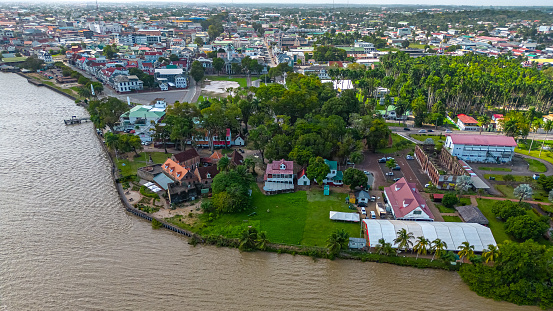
35	82
75	120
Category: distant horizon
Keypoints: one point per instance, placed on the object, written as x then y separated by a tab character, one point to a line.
495	4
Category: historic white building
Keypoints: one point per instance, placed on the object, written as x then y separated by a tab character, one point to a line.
481	148
124	84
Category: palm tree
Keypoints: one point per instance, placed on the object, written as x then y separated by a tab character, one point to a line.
535	126
421	246
223	165
248	239
403	239
337	241
438	247
250	164
380	246
384	248
466	250
547	127
262	240
491	253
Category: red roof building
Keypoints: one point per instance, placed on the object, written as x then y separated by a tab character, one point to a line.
406	202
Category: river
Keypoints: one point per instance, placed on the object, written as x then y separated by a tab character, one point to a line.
67	244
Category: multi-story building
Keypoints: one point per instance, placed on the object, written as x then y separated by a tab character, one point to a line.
466	123
279	177
406	203
174	77
124	84
481	148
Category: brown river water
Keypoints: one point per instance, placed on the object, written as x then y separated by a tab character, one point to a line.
66	242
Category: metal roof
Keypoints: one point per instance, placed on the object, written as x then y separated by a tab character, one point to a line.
452	233
341	216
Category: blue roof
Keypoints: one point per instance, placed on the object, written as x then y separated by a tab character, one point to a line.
162	180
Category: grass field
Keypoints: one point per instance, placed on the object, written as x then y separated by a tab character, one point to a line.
496	169
500	177
128	167
452	219
14	59
497	226
438	140
299	218
395	139
524	145
539	195
444	209
242	81
536	166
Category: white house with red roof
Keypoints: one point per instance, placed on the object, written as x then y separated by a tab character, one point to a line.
466	123
406	203
302	179
481	148
279	176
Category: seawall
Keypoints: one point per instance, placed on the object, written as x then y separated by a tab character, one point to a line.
47	86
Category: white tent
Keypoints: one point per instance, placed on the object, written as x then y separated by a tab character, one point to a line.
354	217
453	233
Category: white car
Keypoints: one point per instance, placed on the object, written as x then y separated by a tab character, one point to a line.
427	185
390	174
363	211
422	131
409	157
366	172
448	131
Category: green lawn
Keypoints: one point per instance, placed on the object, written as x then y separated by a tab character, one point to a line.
500	177
464	202
496	169
242	81
438	140
524	145
539	194
452	219
444	209
299	218
129	167
395	139
536	166
14	59
497	227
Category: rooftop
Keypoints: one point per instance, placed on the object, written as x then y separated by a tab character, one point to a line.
483	140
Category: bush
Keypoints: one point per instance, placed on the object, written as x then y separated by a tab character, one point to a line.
450	200
147	193
525	227
507	209
156	224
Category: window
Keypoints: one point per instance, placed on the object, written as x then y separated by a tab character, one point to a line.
282	166
208	175
417	212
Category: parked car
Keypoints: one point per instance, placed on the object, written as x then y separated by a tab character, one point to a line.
406	129
390	174
382	160
362	204
373	198
389	158
409	157
422	131
536	176
427	185
396	179
366	172
448	131
373	215
397	168
363	211
240	149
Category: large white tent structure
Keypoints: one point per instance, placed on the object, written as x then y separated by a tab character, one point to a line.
340	216
452	233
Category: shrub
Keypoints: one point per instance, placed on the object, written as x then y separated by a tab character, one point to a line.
525	227
450	200
156	224
507	209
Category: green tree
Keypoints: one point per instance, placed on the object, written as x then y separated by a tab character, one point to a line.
466	251
317	169
197	71
449	200
491	253
260	137
526	227
438	247
403	239
173	57
337	241
218	64
405	44
390	164
106	112
224	164
355	178
248	239
421	246
199	41
262	240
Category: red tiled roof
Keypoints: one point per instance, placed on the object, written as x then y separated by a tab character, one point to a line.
466	119
274	167
404	198
483	140
174	169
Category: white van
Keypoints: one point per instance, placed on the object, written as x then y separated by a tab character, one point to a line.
373	215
